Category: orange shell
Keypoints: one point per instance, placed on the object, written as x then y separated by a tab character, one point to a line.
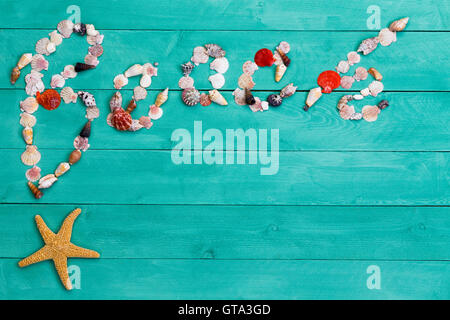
49	99
121	120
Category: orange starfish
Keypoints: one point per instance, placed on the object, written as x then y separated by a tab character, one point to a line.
58	247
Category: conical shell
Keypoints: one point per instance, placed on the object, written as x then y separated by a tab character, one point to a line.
368	45
27	134
31	156
134	70
79	67
27	120
313	96
74	157
62	168
15	74
162	97
284	58
47	181
399	25
280	71
216	97
86	131
288	91
34	190
24	60
116	101
249	98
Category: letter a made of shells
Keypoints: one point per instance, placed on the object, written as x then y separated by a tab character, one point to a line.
330	80
50	99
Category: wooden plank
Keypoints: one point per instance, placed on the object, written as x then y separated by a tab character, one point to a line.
405	126
311	53
238	232
303	178
227	14
228	279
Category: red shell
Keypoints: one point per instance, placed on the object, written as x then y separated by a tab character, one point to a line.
264	58
329	80
121	120
49	99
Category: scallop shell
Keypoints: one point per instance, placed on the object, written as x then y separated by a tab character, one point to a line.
284	47
62	168
68	95
239	97
93	40
27	120
205	100
353	58
146	81
81	143
365	92
344	101
162	97
24	60
134	70
65	28
49	99
346	112
96	50
120	81
29	105
216	97
31	156
343	67
214	50
220	65
186	82
47	181
41	46
360	74
51	47
376	74
39	63
57	81
92	112
90	30
217	80
370	113
116	101
69	72
34	83
376	87
121	120
87	98
386	37
146	122
91	60
27	134
139	93
249	67
33	174
199	56
288	91
190	96
135	125
399	25
279	72
313	96
356	116
149	69
368	45
155	112
246	81
55	38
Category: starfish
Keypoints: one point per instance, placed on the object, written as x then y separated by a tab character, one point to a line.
58	247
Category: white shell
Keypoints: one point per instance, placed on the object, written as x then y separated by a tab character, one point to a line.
353	57
90	30
134	70
200	56
239	97
68	95
386	37
27	120
217	80
220	65
365	92
145	81
149	69
65	28
41	46
249	67
24	60
93	40
47	181
265	105
139	93
55	37
245	81
284	46
34	83
69	72
57	81
29	105
120	81
186	82
155	112
39	63
343	67
358	97
51	47
376	87
313	96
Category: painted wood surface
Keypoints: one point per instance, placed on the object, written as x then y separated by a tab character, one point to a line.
347	195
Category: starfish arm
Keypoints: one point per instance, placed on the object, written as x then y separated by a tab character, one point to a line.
66	229
60	262
45	232
45	253
74	251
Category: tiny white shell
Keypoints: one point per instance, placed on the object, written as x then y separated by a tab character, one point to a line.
217	80
358	97
265	105
220	65
120	81
145	81
186	82
90	30
365	92
57	81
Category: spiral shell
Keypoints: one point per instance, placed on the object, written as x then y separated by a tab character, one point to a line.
87	98
29	105
214	50
288	90
36	192
39	63
79	67
187	68
62	168
368	45
47	181
80	28
24	60
121	120
68	95
216	97
65	28
31	155
27	120
162	97
217	80
116	101
15	74
139	93
399	25
220	65
190	96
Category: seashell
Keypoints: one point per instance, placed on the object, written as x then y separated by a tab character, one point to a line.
285	47
376	74
51	47
121	120
79	67
284	58
386	37
239	97
30	156
29	105
90	30
86	131
347	82
162	97
15	74
33	174
27	134
376	87
187	68
313	96
149	69
81	143
36	192
356	116
264	105
41	46
288	91
91	60
346	112
199	56
65	28
368	45
62	168
329	80
92	112
27	120
96	50
358	97
68	95
116	101
47	181
120	81
87	98
249	98
131	106
205	100
217	80
277	58
155	112
214	50
360	74
370	113
34	83
57	81
257	106
186	82
135	125
80	28
216	97
24	60
353	58
264	58
399	25
69	72
49	99
383	104
55	38
249	67
39	63
245	81
274	100
146	122
139	93
93	40
74	157
220	65
134	70
344	101
190	96
145	81
365	92
279	72
343	67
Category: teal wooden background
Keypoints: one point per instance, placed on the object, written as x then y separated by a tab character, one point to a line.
348	194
